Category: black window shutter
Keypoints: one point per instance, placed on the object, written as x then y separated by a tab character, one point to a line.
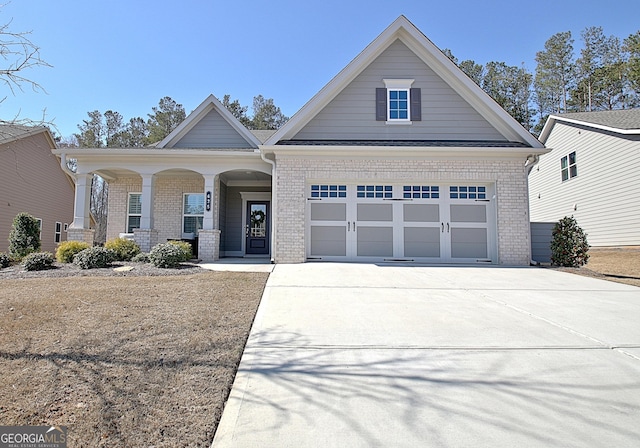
381	104
416	104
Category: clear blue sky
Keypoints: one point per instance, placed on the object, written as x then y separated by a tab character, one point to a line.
125	55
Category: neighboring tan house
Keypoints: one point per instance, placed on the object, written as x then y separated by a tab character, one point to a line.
400	157
592	174
32	181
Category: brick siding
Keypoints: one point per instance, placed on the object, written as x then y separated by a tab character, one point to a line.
514	246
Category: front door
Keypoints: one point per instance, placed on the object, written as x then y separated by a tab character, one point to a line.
257	228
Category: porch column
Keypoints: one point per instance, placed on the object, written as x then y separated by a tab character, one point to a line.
146	220
208	222
209	235
80	228
146	236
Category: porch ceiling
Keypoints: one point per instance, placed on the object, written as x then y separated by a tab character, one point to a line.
244	176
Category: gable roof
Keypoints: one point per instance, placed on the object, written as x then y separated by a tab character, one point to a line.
625	121
209	104
417	42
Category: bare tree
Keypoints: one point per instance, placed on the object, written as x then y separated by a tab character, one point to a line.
19	54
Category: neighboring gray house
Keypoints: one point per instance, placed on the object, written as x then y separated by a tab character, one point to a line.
400	157
32	181
592	174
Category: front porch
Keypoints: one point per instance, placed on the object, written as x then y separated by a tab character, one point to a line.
208	205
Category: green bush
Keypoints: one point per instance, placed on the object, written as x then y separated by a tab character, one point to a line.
24	237
94	257
38	261
5	260
68	249
185	248
569	245
166	255
141	258
124	249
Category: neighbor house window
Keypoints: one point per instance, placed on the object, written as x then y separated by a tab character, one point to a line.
58	232
398	102
568	166
134	211
40	227
193	213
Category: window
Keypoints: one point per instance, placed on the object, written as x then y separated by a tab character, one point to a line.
375	191
193	213
568	166
40	227
421	192
328	191
58	232
134	211
398	102
467	192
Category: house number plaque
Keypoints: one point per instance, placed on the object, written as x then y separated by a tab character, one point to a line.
208	201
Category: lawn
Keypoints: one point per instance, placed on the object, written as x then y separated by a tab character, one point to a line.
620	265
124	361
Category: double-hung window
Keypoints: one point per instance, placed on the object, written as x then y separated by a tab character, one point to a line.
193	213
134	211
398	102
568	166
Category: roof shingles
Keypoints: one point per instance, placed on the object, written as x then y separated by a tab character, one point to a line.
625	119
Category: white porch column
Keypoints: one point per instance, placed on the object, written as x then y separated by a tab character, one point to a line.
80	228
81	214
208	222
146	236
146	220
209	235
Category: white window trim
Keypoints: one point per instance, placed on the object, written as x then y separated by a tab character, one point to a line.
126	224
184	215
399	84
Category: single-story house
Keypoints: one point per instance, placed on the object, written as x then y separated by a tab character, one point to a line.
32	181
400	157
592	174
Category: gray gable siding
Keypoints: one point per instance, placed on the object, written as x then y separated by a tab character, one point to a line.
212	131
445	115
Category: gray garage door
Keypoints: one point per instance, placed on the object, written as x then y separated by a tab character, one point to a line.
400	222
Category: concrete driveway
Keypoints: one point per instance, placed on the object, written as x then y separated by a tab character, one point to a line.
355	355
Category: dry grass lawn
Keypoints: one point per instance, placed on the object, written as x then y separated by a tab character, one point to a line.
124	361
620	265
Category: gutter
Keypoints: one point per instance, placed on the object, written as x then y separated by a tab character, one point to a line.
273	204
532	160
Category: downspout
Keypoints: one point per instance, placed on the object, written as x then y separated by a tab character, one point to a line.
532	160
273	203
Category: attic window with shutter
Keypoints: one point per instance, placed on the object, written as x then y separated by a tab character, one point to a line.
398	103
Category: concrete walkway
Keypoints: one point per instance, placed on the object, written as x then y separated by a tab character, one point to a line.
354	355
